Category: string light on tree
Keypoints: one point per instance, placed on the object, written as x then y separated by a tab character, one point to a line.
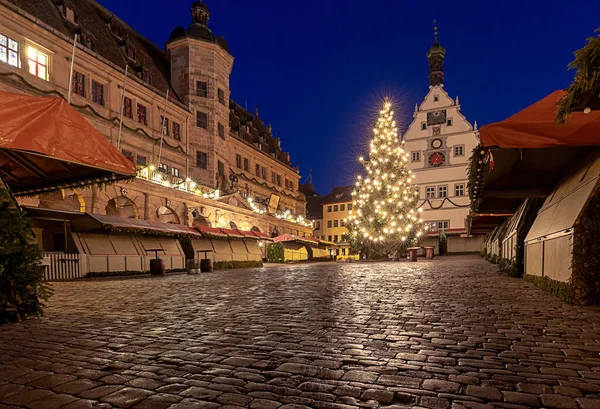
384	216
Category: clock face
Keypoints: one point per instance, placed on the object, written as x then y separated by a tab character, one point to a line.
436	143
436	159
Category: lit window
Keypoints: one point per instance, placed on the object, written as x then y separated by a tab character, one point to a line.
78	84
38	63
201	120
430	192
163	168
176	131
175	171
98	93
442	191
459	150
9	51
459	190
416	156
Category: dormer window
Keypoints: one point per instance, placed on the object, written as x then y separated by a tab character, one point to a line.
146	77
70	14
115	29
85	40
130	52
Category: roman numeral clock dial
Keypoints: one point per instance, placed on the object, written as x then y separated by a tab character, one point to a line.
436	159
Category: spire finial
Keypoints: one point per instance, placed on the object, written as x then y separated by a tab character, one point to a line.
435	32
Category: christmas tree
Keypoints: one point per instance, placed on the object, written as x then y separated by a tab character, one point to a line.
384	217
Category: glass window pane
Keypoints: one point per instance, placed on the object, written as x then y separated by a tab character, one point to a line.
13	58
31	53
42	71
2	40
32	65
41	58
2	54
13	45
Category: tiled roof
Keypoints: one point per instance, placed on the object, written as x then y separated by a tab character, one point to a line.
94	21
339	194
253	130
314	208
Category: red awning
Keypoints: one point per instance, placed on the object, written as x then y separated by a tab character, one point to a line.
45	144
536	127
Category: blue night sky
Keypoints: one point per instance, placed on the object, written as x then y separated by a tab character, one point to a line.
317	69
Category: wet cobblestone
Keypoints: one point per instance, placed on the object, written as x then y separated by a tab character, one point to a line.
448	333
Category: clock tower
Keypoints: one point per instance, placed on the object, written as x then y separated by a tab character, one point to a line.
439	142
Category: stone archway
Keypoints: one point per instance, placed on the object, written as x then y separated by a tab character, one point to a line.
122	206
201	221
59	200
167	215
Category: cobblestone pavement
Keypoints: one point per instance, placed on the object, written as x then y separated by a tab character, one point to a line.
447	333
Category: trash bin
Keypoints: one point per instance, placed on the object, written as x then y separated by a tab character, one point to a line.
157	267
206	265
193	266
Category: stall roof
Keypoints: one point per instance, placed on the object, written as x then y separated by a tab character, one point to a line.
290	237
536	127
46	145
89	222
227	233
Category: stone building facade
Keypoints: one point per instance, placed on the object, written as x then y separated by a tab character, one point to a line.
200	156
439	141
